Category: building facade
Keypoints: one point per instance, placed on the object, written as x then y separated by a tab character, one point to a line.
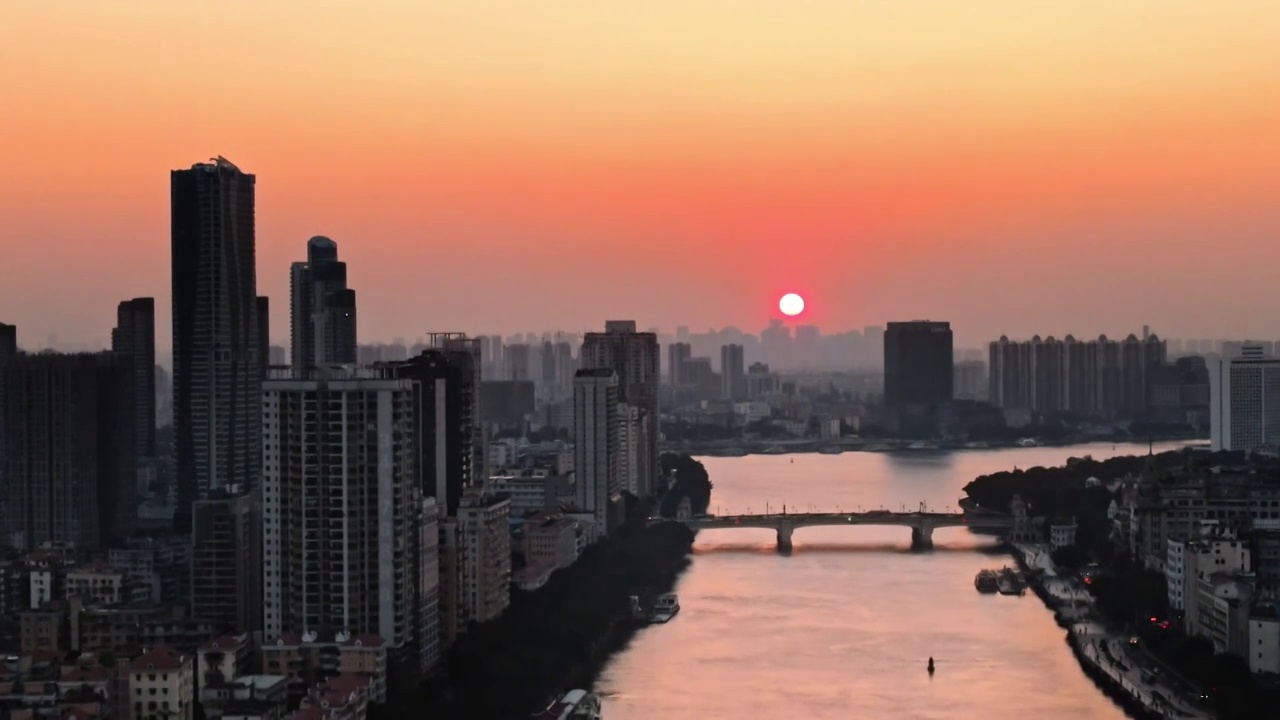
634	358
918	375
69	460
217	381
226	560
1102	377
597	446
733	376
1244	401
340	504
322	309
484	557
135	335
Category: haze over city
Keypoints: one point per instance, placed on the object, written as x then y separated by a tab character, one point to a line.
1016	167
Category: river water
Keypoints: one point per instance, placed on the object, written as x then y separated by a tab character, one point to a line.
844	626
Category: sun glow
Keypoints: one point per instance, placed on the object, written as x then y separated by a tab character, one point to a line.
791	304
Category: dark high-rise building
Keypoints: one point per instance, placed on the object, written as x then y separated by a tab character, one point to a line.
677	354
322	311
8	348
733	375
135	335
226	560
918	375
217	365
634	358
264	332
447	417
69	458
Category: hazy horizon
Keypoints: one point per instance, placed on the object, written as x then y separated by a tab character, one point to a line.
1012	168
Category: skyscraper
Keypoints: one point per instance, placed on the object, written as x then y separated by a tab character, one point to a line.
135	335
445	422
633	357
70	451
1244	401
8	349
217	382
597	451
918	375
677	354
733	376
322	310
340	504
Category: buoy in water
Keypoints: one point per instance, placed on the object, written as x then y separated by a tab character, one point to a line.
931	666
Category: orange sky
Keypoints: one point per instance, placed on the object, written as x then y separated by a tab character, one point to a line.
1014	166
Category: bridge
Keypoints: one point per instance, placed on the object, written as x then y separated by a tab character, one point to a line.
922	523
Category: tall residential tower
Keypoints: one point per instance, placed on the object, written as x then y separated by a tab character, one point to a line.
217	381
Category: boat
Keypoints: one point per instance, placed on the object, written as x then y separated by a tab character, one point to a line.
922	445
1009	583
931	666
665	608
986	581
574	705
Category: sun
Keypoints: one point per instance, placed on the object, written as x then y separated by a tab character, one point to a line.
791	304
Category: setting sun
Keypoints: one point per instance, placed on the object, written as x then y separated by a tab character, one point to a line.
791	304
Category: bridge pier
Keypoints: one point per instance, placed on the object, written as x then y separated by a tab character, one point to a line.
784	537
922	536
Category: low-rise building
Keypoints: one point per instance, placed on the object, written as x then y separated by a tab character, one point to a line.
307	660
345	697
100	584
1062	532
533	576
1264	642
162	685
551	538
248	697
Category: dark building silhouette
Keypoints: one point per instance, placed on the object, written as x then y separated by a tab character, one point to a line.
135	335
8	340
918	375
217	365
634	358
8	348
69	458
506	402
226	560
445	415
733	376
322	311
264	332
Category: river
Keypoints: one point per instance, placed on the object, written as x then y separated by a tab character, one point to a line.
843	627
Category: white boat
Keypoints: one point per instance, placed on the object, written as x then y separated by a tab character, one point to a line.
665	608
575	705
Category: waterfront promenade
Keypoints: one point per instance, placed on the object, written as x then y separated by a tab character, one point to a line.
1107	652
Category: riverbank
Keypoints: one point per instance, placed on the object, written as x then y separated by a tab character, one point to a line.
555	638
1118	667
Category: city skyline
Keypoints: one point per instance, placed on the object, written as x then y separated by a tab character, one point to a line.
888	164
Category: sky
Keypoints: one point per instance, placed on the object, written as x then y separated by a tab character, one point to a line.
1012	166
